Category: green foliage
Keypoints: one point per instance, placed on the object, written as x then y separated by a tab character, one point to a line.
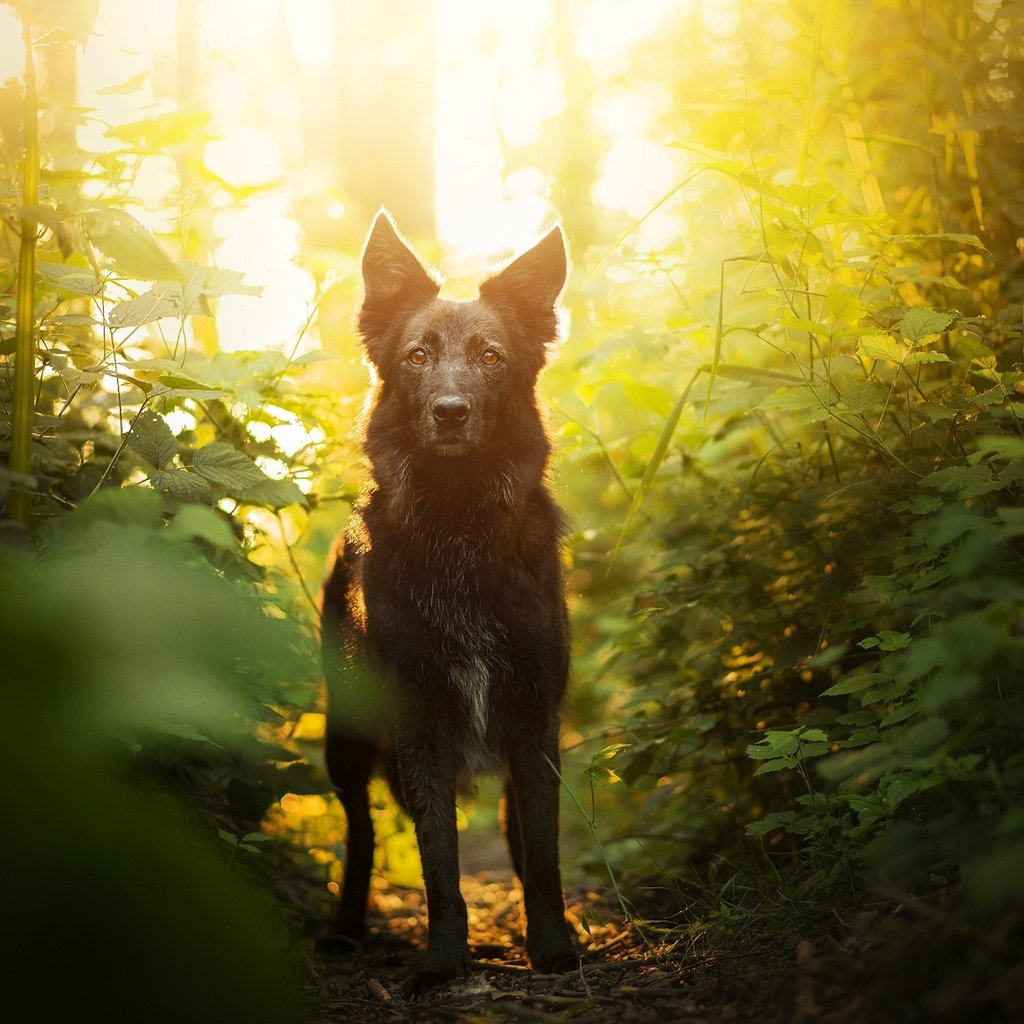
790	442
818	656
144	688
157	659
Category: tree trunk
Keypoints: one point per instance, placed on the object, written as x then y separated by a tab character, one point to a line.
385	110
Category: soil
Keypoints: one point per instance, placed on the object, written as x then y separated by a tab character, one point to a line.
620	975
888	962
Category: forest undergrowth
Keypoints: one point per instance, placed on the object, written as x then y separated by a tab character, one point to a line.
790	440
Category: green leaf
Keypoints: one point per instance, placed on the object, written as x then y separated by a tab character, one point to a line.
935	413
130	506
273	494
797	398
965	481
257	837
893	641
925	504
74	320
183	483
775	742
816	749
812	326
998	446
199	392
926	357
151	438
813	736
945	236
641	763
881	346
854	683
859	394
918	324
601	774
974	350
180	380
770	822
135	252
213	282
777	765
221	463
805	196
67	277
896	788
160	301
198	521
846	307
900	714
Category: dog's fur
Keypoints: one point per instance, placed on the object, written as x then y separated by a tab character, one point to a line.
445	635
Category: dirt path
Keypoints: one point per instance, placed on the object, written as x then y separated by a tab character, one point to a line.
886	962
857	974
622	977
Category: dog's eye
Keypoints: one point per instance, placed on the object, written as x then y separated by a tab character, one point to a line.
490	357
418	356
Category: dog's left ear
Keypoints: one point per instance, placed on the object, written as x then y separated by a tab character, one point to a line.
531	284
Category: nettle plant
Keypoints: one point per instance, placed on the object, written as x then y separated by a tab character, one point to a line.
124	380
130	435
125	394
846	581
926	701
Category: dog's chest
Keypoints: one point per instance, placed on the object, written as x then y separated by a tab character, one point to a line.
449	581
449	571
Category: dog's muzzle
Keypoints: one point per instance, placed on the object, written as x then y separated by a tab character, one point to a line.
450	414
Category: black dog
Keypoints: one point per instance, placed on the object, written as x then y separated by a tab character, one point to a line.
445	635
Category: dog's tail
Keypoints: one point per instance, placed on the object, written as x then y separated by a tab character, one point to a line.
334	611
356	701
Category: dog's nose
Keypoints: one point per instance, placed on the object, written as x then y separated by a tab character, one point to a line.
451	410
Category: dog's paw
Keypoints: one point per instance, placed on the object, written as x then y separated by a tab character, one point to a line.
424	982
345	936
558	960
338	944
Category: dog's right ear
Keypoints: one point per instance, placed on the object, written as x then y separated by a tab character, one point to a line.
394	280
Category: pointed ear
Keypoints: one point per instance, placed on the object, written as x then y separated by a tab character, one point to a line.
532	282
392	275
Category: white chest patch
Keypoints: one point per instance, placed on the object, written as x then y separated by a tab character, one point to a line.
472	680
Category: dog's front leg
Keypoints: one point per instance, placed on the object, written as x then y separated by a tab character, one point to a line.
533	815
427	768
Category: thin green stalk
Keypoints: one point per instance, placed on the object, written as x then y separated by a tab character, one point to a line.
805	135
23	406
120	448
624	904
660	450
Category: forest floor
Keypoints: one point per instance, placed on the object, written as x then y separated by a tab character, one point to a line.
886	963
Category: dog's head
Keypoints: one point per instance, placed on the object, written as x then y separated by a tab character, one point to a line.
459	371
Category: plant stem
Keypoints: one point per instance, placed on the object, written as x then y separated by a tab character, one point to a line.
24	348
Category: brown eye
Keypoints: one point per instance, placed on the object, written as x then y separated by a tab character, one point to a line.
417	357
490	357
